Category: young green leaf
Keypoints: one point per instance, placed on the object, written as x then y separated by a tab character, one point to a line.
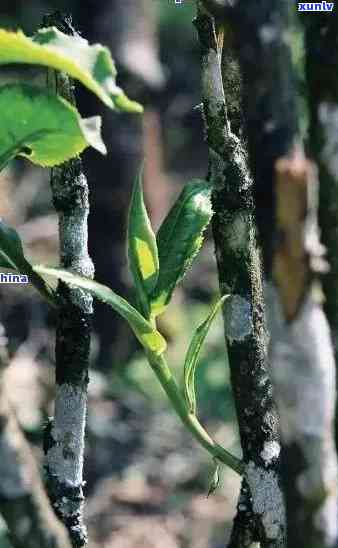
179	239
42	127
215	478
91	65
149	337
12	256
142	248
193	354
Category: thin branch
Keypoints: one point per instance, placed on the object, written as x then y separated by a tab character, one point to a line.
64	438
260	511
190	420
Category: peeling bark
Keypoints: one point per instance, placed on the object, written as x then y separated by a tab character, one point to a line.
64	436
300	350
23	502
260	513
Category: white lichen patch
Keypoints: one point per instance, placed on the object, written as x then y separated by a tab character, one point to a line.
267	500
73	233
212	82
65	457
237	234
270	451
237	318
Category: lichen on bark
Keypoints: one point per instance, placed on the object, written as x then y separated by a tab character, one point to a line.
239	270
64	437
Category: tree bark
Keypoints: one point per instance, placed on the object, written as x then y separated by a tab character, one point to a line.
260	516
23	502
64	436
301	352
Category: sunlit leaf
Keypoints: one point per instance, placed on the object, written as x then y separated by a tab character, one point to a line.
12	256
149	337
42	127
142	248
91	65
180	238
193	353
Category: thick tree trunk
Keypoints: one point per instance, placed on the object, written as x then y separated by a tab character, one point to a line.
301	352
260	515
23	502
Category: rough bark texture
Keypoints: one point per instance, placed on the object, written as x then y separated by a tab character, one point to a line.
321	37
64	443
23	502
64	436
260	515
300	352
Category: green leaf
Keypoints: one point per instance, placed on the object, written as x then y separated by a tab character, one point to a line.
142	248
149	337
215	478
12	256
11	251
194	352
91	65
180	238
42	127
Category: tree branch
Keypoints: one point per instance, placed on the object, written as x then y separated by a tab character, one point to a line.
64	438
260	515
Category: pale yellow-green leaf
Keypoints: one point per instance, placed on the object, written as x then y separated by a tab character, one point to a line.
142	248
91	65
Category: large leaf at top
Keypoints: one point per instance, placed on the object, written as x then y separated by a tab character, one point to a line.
142	248
193	355
149	337
180	238
42	127
12	256
91	65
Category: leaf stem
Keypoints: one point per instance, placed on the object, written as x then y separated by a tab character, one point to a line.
190	420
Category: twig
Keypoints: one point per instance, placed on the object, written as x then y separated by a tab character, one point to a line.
190	420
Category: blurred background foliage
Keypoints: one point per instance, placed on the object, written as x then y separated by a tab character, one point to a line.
146	479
